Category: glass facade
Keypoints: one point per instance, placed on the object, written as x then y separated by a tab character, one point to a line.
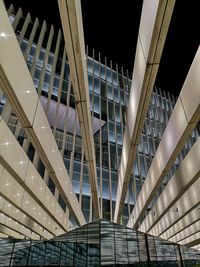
100	243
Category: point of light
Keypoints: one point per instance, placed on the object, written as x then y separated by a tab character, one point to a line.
2	35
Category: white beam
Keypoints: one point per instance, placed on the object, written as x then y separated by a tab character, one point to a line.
187	173
153	29
181	215
190	218
17	84
71	17
183	119
17	163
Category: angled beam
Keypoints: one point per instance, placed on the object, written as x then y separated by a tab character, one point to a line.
184	118
71	17
181	215
153	29
186	233
187	173
16	162
17	84
10	214
4	229
192	240
189	219
196	246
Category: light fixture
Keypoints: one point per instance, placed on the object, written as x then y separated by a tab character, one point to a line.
2	35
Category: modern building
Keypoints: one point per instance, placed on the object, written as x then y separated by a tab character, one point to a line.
82	140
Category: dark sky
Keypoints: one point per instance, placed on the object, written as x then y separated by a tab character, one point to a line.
111	27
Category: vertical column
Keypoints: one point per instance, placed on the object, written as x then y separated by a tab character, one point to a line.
38	48
60	85
24	28
55	59
30	41
66	118
17	18
100	140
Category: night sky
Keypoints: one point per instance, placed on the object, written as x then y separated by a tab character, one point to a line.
111	27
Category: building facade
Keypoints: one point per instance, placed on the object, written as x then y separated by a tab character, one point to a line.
109	89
